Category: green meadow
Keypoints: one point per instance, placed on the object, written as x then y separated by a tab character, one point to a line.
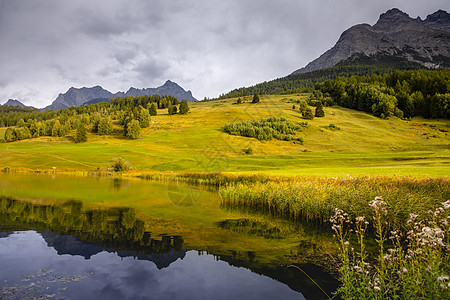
364	145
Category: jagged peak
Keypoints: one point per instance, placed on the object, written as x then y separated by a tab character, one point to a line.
438	16
393	13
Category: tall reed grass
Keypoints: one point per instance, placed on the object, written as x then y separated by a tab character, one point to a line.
315	199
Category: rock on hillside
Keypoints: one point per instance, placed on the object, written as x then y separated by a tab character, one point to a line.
397	35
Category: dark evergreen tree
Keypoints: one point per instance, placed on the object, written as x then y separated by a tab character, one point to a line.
184	107
81	134
319	112
255	98
153	109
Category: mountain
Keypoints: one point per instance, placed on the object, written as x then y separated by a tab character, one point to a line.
168	88
83	96
394	38
12	102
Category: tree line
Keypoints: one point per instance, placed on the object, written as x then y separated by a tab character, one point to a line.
133	113
404	94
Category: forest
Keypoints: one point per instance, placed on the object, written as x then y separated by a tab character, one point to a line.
133	113
404	94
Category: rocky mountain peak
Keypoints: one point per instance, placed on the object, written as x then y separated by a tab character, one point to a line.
392	20
395	36
14	102
438	20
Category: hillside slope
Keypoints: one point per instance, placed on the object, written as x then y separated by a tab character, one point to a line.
196	142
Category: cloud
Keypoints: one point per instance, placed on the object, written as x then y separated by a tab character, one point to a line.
207	46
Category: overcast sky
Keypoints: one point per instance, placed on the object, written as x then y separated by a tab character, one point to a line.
206	46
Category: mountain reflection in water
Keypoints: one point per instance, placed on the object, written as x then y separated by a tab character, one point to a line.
64	249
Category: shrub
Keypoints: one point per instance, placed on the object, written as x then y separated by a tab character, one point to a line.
249	150
307	114
118	164
265	129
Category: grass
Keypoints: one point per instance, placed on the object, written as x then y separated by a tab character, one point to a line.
315	199
365	145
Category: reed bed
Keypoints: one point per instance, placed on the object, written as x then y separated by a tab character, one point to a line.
315	199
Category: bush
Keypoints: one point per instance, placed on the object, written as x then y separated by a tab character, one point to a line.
120	165
249	150
255	99
307	114
263	130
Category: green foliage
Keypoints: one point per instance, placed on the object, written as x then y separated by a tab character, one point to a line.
81	134
143	117
153	109
249	150
307	114
10	135
172	110
302	105
184	107
403	94
239	100
133	129
319	112
255	98
118	164
264	130
332	127
105	126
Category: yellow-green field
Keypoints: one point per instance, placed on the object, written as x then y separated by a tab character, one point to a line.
365	145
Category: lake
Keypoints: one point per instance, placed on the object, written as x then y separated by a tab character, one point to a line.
84	237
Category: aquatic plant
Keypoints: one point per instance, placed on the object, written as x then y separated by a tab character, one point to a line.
314	199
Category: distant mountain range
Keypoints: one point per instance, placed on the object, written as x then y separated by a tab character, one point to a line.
13	102
394	38
83	96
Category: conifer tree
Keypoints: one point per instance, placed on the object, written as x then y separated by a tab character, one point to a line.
255	98
184	107
81	134
319	110
153	109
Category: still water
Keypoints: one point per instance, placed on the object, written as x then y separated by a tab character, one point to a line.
99	238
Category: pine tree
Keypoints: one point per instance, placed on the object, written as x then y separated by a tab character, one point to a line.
319	110
143	117
153	109
105	126
81	134
133	130
307	114
255	99
184	107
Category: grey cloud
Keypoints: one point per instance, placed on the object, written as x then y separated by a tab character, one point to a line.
207	46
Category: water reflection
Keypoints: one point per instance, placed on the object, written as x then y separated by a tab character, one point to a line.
31	269
167	221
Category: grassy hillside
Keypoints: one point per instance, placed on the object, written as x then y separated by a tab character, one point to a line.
364	145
